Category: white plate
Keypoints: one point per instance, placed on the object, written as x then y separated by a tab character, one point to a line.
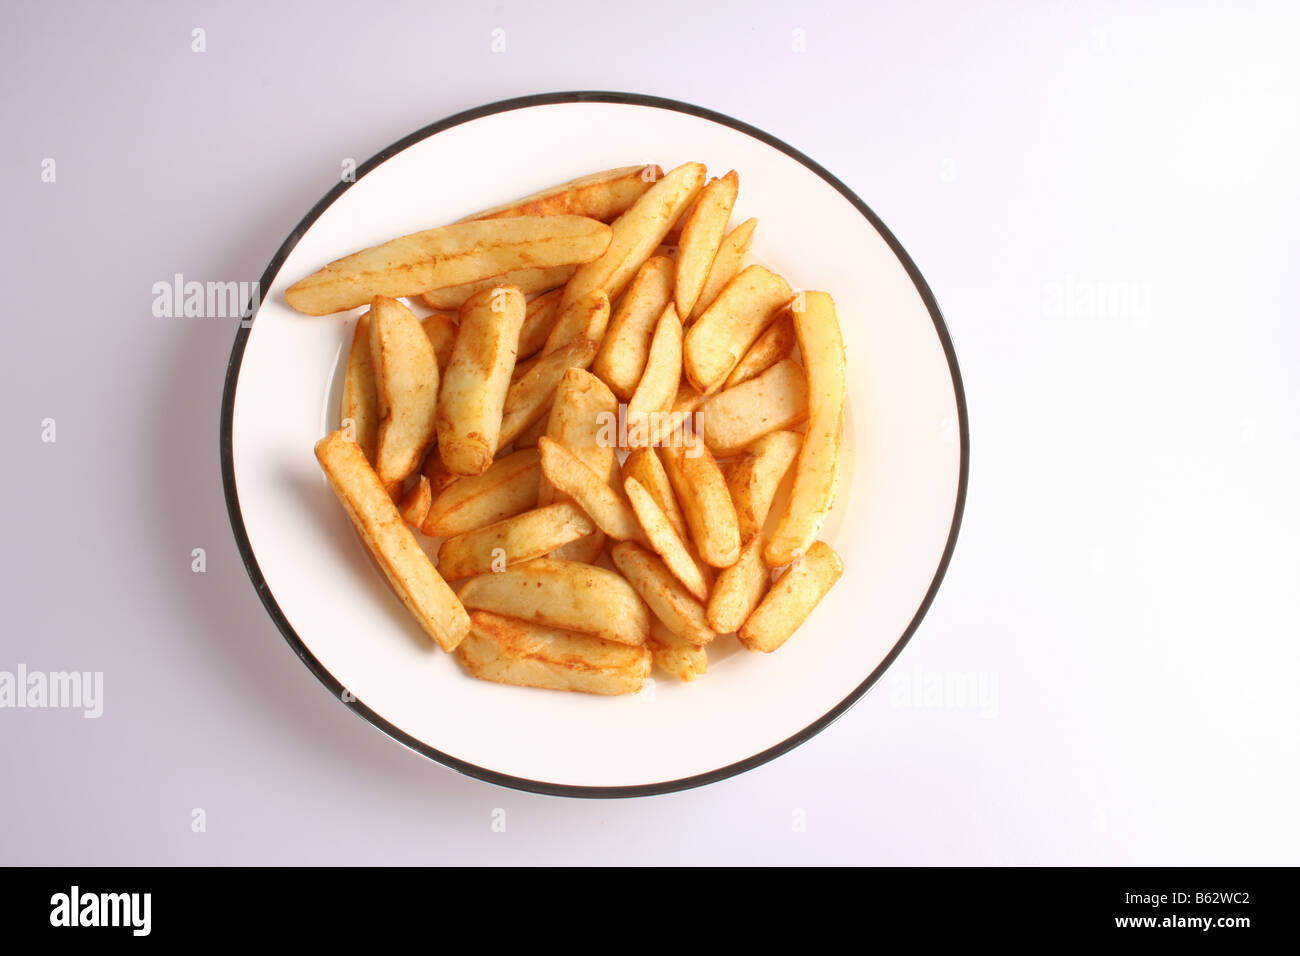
894	524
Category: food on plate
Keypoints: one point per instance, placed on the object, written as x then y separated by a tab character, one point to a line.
663	373
527	280
605	196
583	404
754	477
408	569
702	492
528	437
406	388
817	469
666	542
568	474
739	589
538	320
526	654
575	318
511	541
583	407
530	396
637	233
623	352
662	592
566	594
441	329
508	487
473	391
359	409
612	316
674	654
644	465
688	400
734	417
729	260
438	476
719	338
701	236
449	256
776	343
791	599
416	501
523	368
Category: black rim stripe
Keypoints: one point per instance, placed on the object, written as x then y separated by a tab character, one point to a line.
492	776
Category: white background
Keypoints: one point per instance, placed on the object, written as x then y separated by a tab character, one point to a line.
1124	582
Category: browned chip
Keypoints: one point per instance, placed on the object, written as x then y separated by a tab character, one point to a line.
792	599
753	479
662	592
416	501
527	280
394	548
532	655
637	233
817	469
406	385
705	500
735	417
360	406
721	336
739	589
701	236
441	330
449	256
566	594
508	487
675	655
729	260
776	343
473	392
512	540
605	196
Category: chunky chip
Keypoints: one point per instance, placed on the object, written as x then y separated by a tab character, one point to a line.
449	256
394	548
527	654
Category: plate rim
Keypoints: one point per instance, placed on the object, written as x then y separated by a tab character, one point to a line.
340	693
